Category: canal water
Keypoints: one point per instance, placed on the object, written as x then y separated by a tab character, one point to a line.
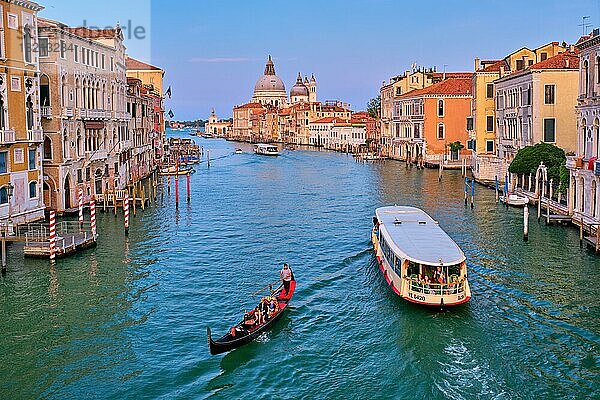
128	319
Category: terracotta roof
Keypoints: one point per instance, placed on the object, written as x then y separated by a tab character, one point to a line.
494	67
451	86
566	60
326	120
249	105
133	64
88	33
440	75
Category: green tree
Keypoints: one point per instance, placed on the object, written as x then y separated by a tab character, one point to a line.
374	107
456	146
528	160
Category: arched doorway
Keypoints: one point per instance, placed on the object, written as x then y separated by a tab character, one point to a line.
98	181
67	190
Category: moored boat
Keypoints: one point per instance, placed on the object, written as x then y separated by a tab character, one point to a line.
419	261
239	151
266	149
181	170
243	333
514	200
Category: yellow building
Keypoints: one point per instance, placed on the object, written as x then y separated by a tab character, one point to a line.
21	136
149	75
482	123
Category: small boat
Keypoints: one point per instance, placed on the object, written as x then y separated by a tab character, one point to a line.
418	260
238	151
240	335
208	135
290	147
172	171
266	149
514	200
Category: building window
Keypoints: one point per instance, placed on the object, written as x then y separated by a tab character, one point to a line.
15	83
549	94
27	43
13	21
490	90
63	49
32	190
489	146
543	56
489	123
586	77
549	130
79	176
440	108
32	163
469	123
43	47
520	65
441	131
3	162
76	53
471	144
3	195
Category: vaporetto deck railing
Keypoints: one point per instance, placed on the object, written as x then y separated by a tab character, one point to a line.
438	289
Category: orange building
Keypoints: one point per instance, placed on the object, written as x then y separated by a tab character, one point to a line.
432	118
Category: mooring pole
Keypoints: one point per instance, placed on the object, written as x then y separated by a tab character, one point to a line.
466	190
526	222
440	171
548	211
581	233
188	179
126	212
3	253
497	194
472	192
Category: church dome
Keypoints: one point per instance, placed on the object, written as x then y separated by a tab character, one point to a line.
299	88
269	82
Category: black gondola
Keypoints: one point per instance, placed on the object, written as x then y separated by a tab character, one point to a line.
239	335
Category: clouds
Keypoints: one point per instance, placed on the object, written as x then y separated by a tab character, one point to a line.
220	59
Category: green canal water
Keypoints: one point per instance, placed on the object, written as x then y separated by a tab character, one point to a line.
128	319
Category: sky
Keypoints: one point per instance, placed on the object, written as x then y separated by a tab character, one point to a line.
213	51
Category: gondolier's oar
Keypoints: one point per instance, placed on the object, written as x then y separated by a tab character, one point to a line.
264	288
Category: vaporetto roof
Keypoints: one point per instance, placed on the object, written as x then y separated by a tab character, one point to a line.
412	234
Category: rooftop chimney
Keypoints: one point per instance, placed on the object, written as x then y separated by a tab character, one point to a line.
477	64
501	71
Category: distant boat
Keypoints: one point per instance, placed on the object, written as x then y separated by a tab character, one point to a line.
419	261
207	135
238	151
514	200
266	149
193	133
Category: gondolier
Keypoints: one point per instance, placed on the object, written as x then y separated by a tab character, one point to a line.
286	276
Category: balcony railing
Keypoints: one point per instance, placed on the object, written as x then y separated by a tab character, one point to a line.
35	135
97	155
46	112
7	136
68	112
122	146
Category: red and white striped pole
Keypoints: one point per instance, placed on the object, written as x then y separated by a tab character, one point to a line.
188	177
126	211
176	184
93	217
80	201
52	236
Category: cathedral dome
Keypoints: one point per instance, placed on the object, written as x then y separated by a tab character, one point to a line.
299	88
269	82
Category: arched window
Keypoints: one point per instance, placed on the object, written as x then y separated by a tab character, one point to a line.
47	148
27	43
2	114
583	135
586	77
441	131
44	90
32	190
3	195
65	146
63	91
440	108
29	113
597	69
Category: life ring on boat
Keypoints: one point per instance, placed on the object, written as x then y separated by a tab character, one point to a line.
232	331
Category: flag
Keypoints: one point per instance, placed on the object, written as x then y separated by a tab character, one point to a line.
168	92
171	114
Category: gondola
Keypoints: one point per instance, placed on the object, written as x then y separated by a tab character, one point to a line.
239	335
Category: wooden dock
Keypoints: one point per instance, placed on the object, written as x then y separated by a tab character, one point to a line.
71	237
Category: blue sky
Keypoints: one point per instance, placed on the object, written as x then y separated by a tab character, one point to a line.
213	51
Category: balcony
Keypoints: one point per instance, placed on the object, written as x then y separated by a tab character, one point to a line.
68	112
46	112
122	146
7	137
35	135
98	155
574	162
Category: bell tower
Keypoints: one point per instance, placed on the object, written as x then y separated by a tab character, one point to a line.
312	89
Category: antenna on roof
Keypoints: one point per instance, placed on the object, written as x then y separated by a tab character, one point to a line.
584	25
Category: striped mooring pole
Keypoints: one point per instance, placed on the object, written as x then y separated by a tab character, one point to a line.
126	211
80	204
52	235
93	217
